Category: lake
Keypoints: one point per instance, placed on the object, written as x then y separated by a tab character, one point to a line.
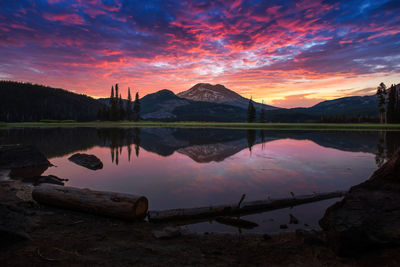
183	168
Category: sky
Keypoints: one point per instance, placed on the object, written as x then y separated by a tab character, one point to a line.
287	53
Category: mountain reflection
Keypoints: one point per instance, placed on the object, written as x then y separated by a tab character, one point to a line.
201	145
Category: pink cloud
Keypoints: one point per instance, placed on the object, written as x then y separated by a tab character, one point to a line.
65	18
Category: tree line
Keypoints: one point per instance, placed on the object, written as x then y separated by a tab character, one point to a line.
21	102
389	103
120	109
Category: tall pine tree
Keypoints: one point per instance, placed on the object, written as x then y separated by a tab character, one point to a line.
113	104
381	93
397	103
391	105
121	108
117	104
129	106
251	112
262	113
136	107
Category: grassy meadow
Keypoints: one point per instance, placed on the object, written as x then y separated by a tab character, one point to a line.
225	125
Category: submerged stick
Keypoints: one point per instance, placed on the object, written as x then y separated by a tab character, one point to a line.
237	222
241	200
232	209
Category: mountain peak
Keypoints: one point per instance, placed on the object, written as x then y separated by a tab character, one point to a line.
218	93
165	92
210	93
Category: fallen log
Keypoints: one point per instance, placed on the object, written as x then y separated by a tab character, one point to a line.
118	205
237	222
232	209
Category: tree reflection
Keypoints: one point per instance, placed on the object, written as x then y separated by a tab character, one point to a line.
116	139
136	141
262	136
251	138
388	143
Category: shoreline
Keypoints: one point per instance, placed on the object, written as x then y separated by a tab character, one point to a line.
65	237
210	125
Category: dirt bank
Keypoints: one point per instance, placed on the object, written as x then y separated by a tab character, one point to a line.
64	238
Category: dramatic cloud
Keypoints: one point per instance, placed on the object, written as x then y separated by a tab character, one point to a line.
290	53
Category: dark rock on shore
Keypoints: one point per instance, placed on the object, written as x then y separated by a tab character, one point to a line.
15	213
369	215
19	156
13	225
88	161
48	179
27	172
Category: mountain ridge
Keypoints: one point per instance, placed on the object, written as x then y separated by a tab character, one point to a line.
165	105
218	93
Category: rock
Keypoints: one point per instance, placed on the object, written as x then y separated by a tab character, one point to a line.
88	161
27	172
369	215
293	220
14	225
283	226
167	233
19	156
50	179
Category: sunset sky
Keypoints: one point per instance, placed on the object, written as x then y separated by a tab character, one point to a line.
287	53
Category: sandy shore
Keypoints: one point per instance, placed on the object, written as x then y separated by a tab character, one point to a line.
67	238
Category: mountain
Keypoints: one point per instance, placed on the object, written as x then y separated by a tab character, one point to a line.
161	105
31	102
345	109
165	105
219	94
202	102
353	105
206	102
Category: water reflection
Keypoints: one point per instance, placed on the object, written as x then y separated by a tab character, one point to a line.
181	168
201	145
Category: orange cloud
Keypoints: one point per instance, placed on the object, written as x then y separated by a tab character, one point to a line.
296	101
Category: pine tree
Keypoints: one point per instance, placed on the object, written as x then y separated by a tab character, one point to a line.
251	112
262	113
391	108
113	109
136	108
121	108
381	93
129	106
396	116
117	104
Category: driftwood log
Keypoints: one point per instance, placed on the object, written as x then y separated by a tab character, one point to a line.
123	206
232	209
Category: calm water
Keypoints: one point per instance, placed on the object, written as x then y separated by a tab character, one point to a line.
180	168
